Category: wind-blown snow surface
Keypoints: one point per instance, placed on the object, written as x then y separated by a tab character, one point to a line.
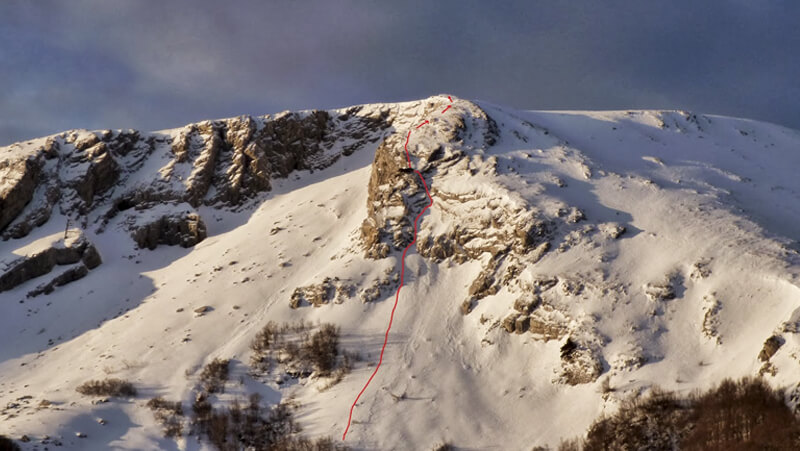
709	205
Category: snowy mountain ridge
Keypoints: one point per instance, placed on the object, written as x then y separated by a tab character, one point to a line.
564	251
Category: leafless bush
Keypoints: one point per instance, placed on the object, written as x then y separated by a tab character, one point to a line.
214	375
744	414
201	413
574	444
265	338
159	403
107	387
168	414
298	327
322	349
301	350
254	427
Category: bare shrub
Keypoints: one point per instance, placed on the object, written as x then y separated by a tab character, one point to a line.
168	414
322	349
159	403
574	444
301	350
171	425
304	444
201	413
443	447
296	328
742	415
254	427
292	351
107	387
265	338
214	375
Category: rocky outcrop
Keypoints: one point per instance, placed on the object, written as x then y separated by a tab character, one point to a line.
184	228
98	177
330	289
771	346
579	364
41	263
492	226
19	182
220	162
396	194
392	193
77	272
665	290
544	321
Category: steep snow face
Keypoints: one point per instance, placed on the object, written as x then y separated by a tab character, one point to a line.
562	249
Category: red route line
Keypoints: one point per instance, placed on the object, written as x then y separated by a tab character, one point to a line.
402	272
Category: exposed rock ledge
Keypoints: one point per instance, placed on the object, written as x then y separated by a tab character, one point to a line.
40	263
185	228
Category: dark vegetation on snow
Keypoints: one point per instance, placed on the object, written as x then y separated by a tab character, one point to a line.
214	375
168	414
107	387
746	414
253	426
300	351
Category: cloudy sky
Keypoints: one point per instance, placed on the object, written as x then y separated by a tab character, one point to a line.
157	64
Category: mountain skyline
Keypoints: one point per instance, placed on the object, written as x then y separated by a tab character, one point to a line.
101	64
570	264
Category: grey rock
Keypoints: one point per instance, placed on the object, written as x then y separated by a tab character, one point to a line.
91	258
185	229
70	275
24	175
771	346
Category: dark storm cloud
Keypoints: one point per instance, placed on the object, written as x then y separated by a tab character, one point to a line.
150	65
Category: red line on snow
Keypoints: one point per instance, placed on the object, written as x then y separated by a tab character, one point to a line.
402	273
448	107
408	157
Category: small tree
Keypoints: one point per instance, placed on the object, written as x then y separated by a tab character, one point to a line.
214	375
323	348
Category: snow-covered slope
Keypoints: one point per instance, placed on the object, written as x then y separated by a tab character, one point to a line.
563	249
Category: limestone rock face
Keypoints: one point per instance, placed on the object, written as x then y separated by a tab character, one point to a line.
91	258
42	262
579	363
100	174
395	192
19	182
70	275
220	163
496	227
184	229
